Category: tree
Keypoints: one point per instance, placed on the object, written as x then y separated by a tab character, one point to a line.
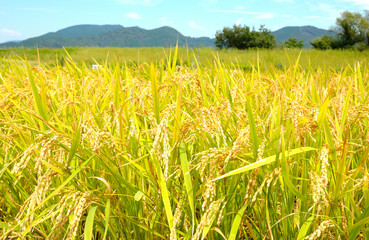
292	42
352	29
244	38
352	32
323	43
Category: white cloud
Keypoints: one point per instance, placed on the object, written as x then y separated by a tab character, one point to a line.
312	17
329	10
10	33
147	3
133	15
266	16
361	3
240	7
195	26
258	15
163	20
237	12
319	17
238	22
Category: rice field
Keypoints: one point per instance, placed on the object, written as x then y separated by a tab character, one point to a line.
167	150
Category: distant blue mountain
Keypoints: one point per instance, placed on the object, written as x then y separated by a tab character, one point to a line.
305	33
111	36
119	36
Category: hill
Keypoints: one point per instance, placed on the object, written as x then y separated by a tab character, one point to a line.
83	30
119	36
305	33
111	36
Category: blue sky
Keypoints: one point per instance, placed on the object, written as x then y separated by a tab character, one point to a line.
21	19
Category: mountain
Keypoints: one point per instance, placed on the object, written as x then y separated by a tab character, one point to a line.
305	33
119	36
111	36
83	30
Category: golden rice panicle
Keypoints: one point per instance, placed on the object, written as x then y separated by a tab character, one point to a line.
324	163
261	150
319	182
320	230
176	220
209	194
343	217
80	208
251	184
161	145
208	217
242	141
220	215
68	202
26	155
94	137
36	198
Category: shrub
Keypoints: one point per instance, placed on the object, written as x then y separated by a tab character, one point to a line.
244	38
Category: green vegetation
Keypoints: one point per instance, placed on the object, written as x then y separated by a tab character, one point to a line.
323	43
111	36
244	38
292	42
160	149
118	36
83	30
245	59
352	32
305	33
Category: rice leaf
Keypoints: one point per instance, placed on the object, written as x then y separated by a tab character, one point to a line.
187	179
155	91
354	230
236	223
253	131
265	161
107	216
89	223
305	227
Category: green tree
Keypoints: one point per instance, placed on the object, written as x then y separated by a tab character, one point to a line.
293	42
352	29
244	38
323	43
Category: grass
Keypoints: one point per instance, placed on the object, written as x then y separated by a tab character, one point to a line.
161	149
246	59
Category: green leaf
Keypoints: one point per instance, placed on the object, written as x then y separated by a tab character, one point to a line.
354	230
89	223
323	112
38	95
345	110
187	178
305	228
107	216
285	171
236	223
164	191
254	135
177	119
74	145
155	91
265	161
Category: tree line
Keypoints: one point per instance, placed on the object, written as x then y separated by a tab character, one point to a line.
352	31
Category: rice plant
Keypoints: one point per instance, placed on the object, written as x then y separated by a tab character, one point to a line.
164	150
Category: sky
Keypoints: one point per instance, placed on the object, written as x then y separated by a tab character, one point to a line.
22	19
